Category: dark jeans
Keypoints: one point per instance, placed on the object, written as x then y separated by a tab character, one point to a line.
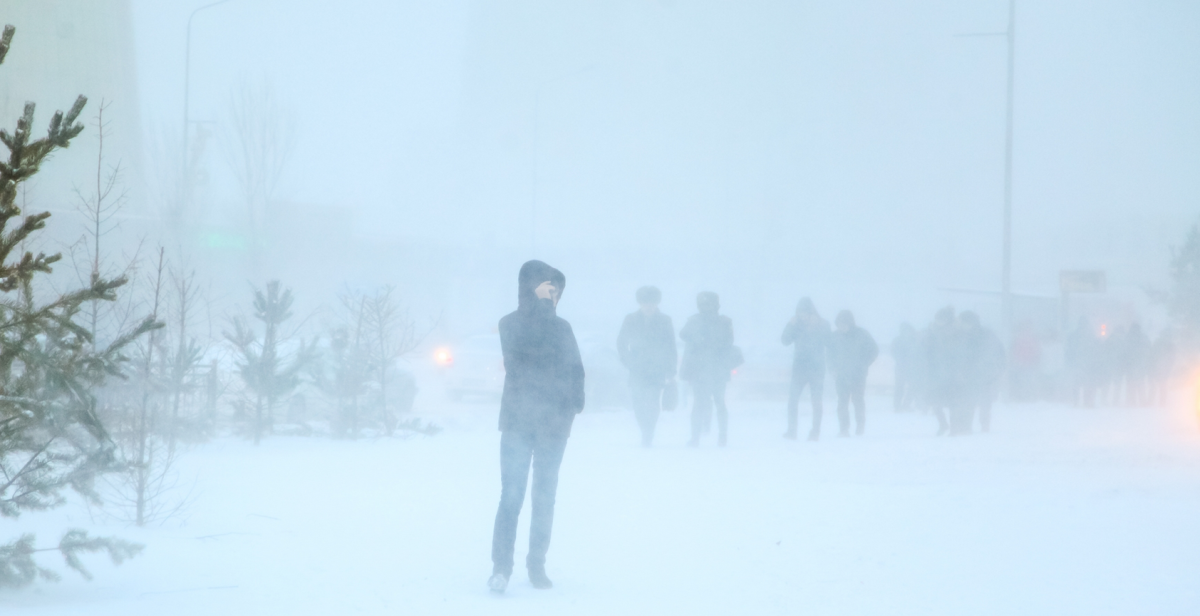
851	387
517	450
709	394
647	401
815	381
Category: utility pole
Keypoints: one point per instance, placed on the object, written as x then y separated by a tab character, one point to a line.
1006	281
187	84
1006	303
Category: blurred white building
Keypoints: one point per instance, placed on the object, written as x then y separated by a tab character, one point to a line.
64	48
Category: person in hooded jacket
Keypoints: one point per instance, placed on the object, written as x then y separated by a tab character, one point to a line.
646	346
851	352
809	334
543	391
941	349
708	343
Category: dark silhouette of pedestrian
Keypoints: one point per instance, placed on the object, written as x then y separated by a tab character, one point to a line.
646	345
851	352
809	334
543	391
941	350
982	360
708	358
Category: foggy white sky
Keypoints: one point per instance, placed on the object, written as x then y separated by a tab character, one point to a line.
847	150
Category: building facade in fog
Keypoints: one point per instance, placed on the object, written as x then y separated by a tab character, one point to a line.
64	48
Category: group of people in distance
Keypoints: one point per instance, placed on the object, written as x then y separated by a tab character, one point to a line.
646	345
1118	365
953	368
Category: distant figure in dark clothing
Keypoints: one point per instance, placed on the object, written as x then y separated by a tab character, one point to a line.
810	335
708	343
982	361
941	350
646	346
851	352
906	358
543	391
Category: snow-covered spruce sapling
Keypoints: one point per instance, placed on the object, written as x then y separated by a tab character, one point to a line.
267	369
50	437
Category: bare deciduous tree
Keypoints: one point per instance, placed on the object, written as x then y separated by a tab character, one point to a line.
258	149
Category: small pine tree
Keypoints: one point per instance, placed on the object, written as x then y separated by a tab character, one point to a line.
51	439
267	371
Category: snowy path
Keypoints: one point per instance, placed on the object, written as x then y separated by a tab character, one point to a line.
1060	511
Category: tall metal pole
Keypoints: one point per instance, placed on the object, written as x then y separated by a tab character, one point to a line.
1006	282
187	85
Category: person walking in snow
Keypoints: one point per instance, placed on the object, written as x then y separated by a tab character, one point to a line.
809	334
543	391
941	350
851	352
646	346
983	362
708	358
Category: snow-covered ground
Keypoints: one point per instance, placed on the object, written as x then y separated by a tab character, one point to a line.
1058	511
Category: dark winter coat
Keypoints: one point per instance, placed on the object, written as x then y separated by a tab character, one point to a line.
543	379
852	352
811	340
708	343
941	347
646	346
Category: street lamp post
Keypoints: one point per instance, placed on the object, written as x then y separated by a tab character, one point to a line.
187	83
1006	280
1006	304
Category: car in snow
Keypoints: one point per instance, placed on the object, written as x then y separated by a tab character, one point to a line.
472	368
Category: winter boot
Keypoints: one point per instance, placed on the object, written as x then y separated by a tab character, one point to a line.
813	436
537	577
497	583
